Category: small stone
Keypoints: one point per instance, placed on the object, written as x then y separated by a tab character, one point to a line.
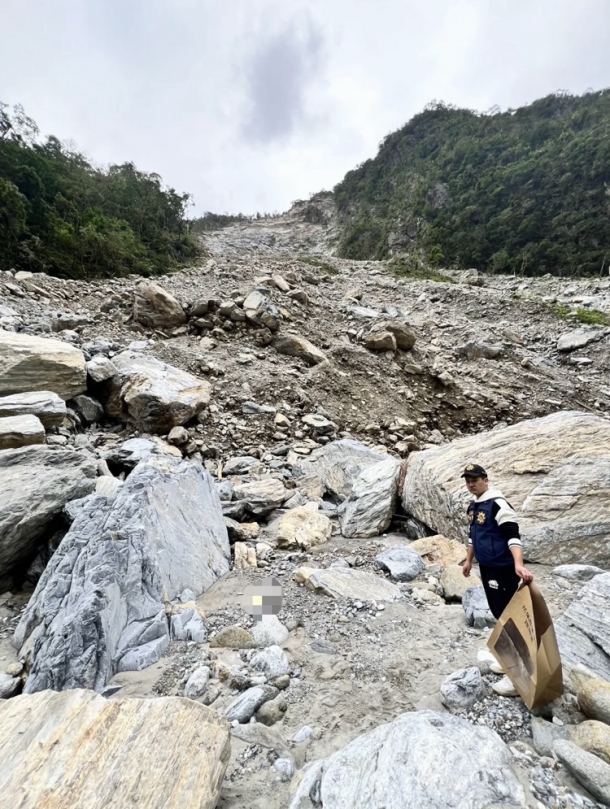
178	436
380	341
243	708
272	711
463	689
8	685
272	661
455	584
269	631
402	563
197	683
233	637
244	556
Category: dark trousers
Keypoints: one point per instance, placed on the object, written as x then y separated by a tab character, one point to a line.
500	585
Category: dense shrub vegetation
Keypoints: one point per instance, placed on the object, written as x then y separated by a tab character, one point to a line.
524	191
61	215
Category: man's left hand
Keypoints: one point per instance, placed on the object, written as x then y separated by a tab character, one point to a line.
524	574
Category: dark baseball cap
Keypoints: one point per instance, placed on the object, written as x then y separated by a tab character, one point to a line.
474	470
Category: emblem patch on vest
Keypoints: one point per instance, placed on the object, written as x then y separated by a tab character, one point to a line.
470	516
481	517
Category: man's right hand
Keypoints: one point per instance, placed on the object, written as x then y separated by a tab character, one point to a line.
466	568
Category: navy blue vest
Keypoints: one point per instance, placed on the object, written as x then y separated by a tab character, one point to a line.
490	547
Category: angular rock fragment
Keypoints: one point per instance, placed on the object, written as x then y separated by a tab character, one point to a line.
577	573
438	550
463	689
579	338
45	405
303	527
244	556
29	363
260	310
455	584
404	336
269	631
87	752
154	395
380	341
294	346
88	409
154	307
368	509
197	683
592	772
260	497
20	431
100	369
476	608
402	563
271	661
334	469
341	582
99	606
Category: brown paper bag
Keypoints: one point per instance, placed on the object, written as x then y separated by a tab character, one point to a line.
524	644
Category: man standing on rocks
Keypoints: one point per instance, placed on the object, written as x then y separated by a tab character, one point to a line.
496	543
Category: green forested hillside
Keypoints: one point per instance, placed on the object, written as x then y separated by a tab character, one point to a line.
61	215
525	191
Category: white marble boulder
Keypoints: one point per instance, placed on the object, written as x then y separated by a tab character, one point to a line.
333	469
156	308
368	509
30	363
21	431
99	605
555	472
45	405
151	394
583	631
421	760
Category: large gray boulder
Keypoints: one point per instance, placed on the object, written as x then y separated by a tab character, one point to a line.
47	406
583	631
152	394
31	363
35	484
334	469
555	471
153	306
422	760
368	509
99	606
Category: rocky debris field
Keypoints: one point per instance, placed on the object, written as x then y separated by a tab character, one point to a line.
279	414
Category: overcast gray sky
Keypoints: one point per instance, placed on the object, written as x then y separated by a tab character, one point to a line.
251	104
